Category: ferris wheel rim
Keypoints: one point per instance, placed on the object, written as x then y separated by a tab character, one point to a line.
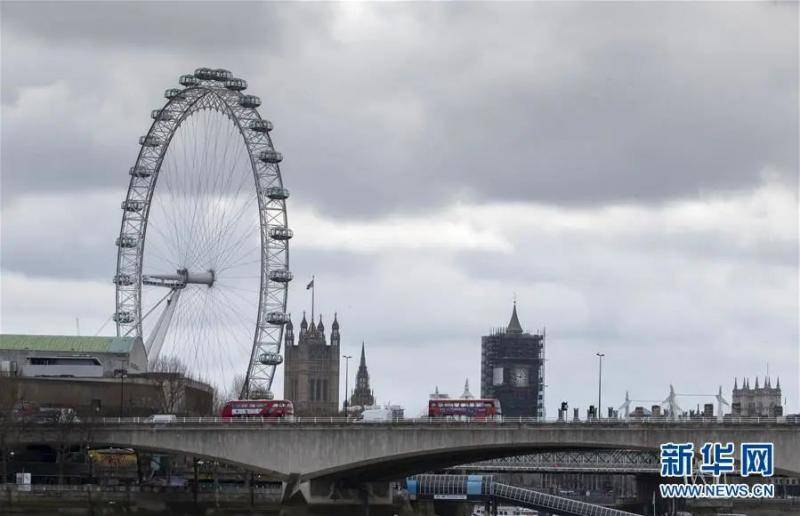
207	94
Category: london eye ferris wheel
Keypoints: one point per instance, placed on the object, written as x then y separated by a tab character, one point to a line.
203	249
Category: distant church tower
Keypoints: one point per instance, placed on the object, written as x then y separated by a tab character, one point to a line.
362	394
311	369
757	402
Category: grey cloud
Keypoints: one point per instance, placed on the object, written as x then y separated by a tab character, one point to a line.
414	106
595	104
207	27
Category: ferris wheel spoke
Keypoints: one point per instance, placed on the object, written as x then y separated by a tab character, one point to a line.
214	195
153	254
231	248
225	226
230	334
228	308
237	289
164	238
237	299
234	265
172	200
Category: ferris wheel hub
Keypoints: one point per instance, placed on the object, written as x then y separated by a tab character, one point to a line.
181	278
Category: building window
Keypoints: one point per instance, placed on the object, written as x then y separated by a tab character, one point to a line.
325	390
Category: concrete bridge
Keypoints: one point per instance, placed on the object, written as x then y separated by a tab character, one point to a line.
371	451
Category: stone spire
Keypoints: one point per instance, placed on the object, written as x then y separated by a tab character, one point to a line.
320	326
513	325
362	394
303	323
289	337
335	338
466	394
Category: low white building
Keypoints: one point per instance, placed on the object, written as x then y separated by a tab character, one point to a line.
71	356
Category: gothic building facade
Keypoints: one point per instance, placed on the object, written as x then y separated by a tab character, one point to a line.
512	369
756	401
311	369
362	394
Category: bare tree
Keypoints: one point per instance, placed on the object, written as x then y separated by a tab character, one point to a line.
233	392
170	373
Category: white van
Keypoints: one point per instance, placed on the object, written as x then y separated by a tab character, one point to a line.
162	418
376	415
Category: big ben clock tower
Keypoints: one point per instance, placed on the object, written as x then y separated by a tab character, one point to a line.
512	369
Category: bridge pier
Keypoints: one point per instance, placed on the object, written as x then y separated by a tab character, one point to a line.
646	488
331	493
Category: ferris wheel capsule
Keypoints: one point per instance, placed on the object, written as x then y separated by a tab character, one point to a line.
163	115
123	280
132	205
140	171
271	359
281	275
277	318
277	193
174	93
261	126
149	141
126	241
249	101
189	80
280	233
236	84
221	74
206	74
270	156
123	317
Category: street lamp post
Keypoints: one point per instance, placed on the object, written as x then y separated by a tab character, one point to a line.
346	380
121	373
13	469
600	386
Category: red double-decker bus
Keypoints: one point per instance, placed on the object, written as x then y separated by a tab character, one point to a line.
258	408
465	409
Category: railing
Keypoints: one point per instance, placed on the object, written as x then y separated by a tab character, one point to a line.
507	421
556	503
481	487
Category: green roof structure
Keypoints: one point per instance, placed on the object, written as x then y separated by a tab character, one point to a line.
67	343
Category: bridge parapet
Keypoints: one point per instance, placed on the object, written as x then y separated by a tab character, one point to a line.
392	450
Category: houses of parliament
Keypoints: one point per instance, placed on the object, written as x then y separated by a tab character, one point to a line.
311	370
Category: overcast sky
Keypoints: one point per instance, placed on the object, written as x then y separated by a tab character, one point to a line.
629	170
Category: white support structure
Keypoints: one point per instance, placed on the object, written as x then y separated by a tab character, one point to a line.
156	338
